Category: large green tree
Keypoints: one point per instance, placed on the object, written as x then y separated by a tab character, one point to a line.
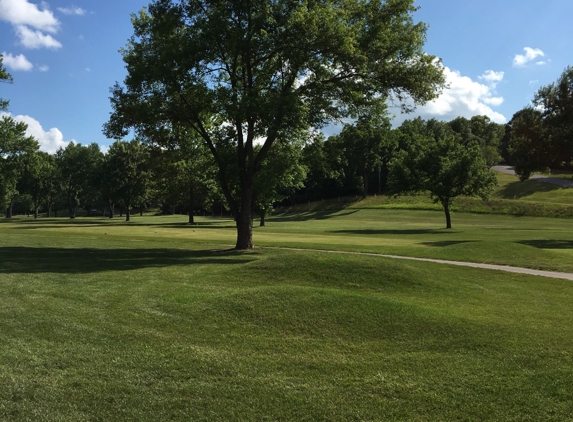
555	102
238	72
435	159
529	145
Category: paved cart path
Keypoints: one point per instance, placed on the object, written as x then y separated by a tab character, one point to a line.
506	268
538	177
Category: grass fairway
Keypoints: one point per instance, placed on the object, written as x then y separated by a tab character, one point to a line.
157	320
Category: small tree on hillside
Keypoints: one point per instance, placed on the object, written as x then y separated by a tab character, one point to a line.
442	165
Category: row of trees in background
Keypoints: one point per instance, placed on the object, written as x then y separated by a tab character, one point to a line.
175	170
444	159
129	175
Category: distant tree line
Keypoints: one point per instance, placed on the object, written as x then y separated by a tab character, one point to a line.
172	170
540	136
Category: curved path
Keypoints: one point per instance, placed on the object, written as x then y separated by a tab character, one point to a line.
506	268
539	177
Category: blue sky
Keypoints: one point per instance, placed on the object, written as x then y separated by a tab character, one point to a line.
64	58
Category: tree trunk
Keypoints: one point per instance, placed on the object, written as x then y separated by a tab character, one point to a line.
141	211
446	205
111	209
9	209
49	209
72	209
121	211
191	200
263	214
127	213
245	221
36	212
365	175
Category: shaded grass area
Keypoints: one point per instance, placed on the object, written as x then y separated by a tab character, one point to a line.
533	242
25	260
173	331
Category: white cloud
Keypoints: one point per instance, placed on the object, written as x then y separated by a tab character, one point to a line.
43	68
49	141
16	63
72	10
31	23
531	54
491	77
36	39
463	98
22	12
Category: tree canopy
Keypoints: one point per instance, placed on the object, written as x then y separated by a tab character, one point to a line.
238	73
540	136
78	166
435	159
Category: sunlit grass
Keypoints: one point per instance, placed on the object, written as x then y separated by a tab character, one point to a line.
159	321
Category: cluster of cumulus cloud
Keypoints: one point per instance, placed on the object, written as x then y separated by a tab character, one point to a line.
463	97
35	26
50	141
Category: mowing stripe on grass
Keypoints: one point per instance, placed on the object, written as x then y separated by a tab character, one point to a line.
506	268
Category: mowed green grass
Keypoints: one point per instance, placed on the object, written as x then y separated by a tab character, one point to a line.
510	197
158	320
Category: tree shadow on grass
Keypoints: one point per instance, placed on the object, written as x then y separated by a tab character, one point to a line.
53	223
186	226
313	215
91	260
517	190
548	243
395	232
444	243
